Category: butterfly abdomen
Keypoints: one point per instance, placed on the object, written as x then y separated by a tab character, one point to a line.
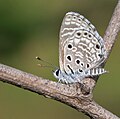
96	71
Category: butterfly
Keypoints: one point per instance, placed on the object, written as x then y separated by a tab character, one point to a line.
81	50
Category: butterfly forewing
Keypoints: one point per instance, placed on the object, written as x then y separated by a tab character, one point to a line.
81	50
80	47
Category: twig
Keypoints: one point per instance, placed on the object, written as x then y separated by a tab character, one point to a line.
112	29
76	96
70	95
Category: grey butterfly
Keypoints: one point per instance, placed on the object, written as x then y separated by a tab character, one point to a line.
81	50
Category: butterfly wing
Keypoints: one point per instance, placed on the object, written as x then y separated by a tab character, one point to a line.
80	45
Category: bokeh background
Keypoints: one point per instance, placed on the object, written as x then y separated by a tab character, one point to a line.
30	28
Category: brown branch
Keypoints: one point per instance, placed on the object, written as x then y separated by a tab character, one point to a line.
70	95
112	29
74	95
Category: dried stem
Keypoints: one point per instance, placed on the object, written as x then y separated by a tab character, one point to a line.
112	29
75	95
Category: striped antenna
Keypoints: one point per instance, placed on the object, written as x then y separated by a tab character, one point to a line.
49	64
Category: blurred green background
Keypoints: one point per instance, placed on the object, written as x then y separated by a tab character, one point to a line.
31	28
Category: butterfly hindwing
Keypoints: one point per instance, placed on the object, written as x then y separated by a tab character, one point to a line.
81	48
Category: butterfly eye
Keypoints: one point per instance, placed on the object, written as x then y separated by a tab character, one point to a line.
57	72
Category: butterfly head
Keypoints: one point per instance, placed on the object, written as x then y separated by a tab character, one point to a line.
57	73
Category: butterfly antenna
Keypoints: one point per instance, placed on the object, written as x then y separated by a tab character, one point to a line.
50	65
40	65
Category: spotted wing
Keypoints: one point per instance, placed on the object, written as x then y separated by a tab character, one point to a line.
80	45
